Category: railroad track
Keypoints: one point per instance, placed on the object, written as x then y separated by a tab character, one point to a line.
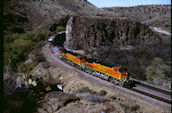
153	87
150	91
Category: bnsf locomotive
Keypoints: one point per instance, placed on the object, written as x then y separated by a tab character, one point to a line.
110	72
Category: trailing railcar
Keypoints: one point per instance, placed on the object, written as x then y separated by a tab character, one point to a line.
77	59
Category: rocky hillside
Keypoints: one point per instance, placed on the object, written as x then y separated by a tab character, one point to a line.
153	15
21	16
118	41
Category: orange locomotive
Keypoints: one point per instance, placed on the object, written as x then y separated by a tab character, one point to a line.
106	71
110	72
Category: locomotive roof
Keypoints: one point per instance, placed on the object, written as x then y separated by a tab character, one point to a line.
91	60
108	64
75	54
98	62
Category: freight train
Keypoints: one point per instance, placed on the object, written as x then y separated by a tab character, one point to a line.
109	72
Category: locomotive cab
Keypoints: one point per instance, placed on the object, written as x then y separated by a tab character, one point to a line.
121	72
80	59
125	75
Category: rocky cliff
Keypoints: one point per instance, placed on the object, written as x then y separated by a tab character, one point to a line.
99	32
118	41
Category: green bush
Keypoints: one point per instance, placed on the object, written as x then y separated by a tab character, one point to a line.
135	108
26	68
17	45
10	38
103	92
27	36
150	72
60	28
157	69
85	90
157	62
113	97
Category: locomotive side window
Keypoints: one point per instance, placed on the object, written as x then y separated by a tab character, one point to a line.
81	58
116	70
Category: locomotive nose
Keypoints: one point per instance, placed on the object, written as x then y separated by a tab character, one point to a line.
126	76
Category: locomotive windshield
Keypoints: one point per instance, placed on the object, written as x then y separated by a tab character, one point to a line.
122	70
83	57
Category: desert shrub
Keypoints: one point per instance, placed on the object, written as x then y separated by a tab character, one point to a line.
16	46
102	92
10	38
150	72
57	29
39	35
26	68
39	58
157	69
60	28
113	97
27	36
135	108
84	89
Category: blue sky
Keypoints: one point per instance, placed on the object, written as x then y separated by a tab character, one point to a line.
126	3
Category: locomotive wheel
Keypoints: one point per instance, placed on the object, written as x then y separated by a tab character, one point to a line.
121	83
115	81
90	72
110	79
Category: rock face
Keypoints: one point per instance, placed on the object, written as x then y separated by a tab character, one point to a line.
60	102
99	32
40	70
54	100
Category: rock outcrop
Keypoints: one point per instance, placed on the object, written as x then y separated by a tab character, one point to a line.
99	32
54	100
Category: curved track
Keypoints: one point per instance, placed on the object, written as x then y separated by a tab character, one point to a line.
145	89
